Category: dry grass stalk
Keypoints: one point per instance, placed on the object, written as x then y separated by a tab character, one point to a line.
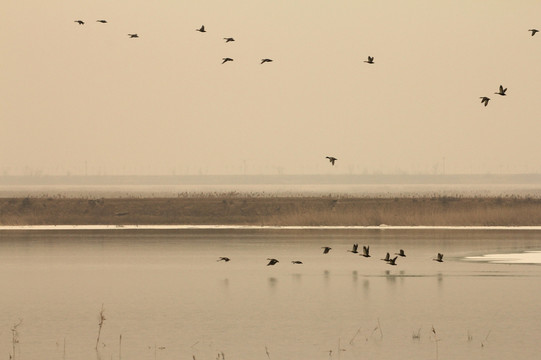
15	338
100	325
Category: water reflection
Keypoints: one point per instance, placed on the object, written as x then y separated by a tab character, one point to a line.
272	281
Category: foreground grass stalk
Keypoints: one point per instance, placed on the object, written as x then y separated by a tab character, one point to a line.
100	325
15	338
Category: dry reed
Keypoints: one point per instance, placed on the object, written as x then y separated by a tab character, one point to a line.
234	209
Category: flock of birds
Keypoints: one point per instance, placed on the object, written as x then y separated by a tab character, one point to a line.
365	253
203	30
501	91
370	60
485	99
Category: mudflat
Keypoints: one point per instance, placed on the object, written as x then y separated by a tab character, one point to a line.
237	209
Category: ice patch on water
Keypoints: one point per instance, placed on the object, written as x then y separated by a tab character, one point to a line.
528	257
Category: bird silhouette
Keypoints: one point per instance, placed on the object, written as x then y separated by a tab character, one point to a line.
366	251
387	257
272	261
439	258
354	250
296	262
326	249
133	36
224	60
102	21
501	91
265	60
228	39
370	60
223	258
484	100
80	22
331	159
201	29
533	31
392	261
401	253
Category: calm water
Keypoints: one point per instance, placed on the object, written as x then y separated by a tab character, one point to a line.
169	298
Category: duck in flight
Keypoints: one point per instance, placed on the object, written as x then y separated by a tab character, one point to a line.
392	261
354	250
102	21
370	60
272	261
133	36
366	251
224	60
501	91
326	249
332	159
223	258
387	258
80	22
201	29
296	262
533	31
439	258
401	253
265	60
484	100
228	39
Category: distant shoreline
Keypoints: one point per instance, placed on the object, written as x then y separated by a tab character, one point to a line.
245	210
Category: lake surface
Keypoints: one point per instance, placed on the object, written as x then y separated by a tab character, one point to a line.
165	295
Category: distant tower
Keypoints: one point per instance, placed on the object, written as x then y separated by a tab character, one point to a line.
443	170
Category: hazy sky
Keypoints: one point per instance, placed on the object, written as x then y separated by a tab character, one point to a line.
76	97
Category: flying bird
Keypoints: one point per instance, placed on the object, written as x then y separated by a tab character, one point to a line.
533	31
484	100
387	258
326	249
223	258
366	251
265	60
296	262
228	39
354	250
501	91
392	261
80	22
102	21
332	159
401	253
133	36
272	261
370	60
201	29
224	60
439	258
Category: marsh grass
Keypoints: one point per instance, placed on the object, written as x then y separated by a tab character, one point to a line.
236	209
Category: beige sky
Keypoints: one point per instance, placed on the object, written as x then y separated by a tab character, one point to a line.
86	96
